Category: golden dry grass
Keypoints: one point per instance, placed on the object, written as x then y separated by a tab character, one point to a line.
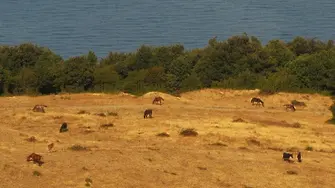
238	145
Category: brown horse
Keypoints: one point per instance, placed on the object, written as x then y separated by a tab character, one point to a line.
35	158
299	157
148	112
50	146
287	156
158	100
289	107
257	101
39	108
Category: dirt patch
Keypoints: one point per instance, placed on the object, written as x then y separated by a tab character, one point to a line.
282	123
188	132
253	141
238	120
163	134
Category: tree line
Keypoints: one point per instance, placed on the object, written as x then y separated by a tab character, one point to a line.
240	62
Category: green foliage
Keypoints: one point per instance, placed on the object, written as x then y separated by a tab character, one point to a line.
192	82
106	79
78	74
240	62
134	83
155	77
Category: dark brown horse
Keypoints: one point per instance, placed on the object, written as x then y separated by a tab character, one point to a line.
257	101
50	146
299	157
287	156
148	112
35	158
39	108
158	100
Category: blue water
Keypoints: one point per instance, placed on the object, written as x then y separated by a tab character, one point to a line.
74	27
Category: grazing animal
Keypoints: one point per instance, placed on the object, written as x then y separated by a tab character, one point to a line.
50	146
298	103
39	108
148	112
63	128
289	107
299	157
35	158
287	156
257	101
157	100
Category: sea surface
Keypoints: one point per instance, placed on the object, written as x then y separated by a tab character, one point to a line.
72	28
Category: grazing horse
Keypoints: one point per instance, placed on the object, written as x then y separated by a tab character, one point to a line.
35	158
257	101
287	156
157	99
39	108
299	157
148	112
289	107
50	146
63	128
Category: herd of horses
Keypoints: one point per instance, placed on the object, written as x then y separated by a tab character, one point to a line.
148	114
289	107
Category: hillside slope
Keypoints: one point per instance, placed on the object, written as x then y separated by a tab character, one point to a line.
246	153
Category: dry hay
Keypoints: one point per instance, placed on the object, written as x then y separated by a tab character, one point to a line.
218	93
83	112
31	139
253	141
238	120
282	123
105	114
123	94
218	144
153	94
124	150
88	130
292	172
298	103
313	100
107	125
189	132
163	134
266	93
78	147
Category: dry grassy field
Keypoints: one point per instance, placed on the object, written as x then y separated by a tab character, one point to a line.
238	145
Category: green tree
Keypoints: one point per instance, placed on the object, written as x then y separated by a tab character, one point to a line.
155	77
78	74
46	69
314	71
144	58
192	82
106	79
134	83
279	53
181	68
280	81
92	58
114	58
24	55
3	80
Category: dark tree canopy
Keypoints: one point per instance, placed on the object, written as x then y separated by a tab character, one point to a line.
241	62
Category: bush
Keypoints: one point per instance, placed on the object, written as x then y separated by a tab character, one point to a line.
78	147
332	109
